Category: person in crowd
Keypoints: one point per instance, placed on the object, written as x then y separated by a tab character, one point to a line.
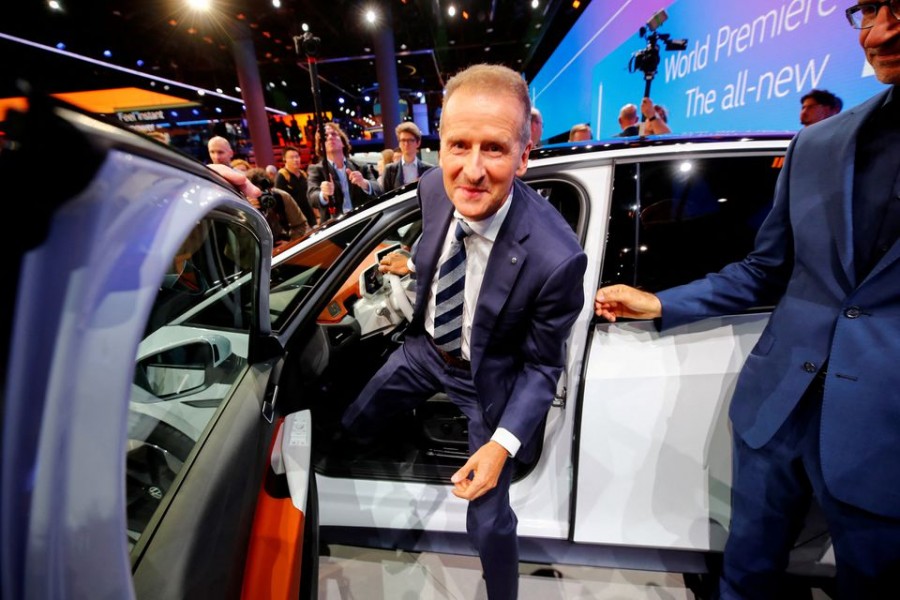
239	164
272	172
628	121
656	119
294	131
406	170
580	132
815	413
537	127
284	216
499	285
387	157
335	187
293	179
817	105
220	152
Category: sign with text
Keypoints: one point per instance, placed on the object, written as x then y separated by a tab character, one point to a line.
744	67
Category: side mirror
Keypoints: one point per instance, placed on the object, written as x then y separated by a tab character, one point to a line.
182	369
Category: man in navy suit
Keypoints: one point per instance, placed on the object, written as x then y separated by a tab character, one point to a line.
816	409
523	290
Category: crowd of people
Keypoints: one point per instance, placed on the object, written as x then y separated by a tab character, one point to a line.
825	427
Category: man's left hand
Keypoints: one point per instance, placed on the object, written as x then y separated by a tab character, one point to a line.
485	465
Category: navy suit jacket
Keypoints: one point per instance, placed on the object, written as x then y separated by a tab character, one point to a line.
392	177
803	259
531	295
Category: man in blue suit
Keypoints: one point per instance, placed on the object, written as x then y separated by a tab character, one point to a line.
521	291
816	409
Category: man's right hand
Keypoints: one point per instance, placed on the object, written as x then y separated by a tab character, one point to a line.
625	301
395	262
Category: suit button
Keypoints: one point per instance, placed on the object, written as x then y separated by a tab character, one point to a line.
852	312
809	367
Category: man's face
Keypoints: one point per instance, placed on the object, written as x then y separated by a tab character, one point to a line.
481	150
219	152
292	161
882	46
334	145
409	144
813	112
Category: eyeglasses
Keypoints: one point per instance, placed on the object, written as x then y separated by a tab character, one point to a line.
407	140
862	16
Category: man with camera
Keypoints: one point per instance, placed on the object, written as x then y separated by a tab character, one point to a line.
281	211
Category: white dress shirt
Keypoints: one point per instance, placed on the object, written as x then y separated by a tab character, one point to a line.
479	244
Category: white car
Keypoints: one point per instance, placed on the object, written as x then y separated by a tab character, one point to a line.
157	342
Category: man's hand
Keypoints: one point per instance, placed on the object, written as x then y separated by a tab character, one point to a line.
327	188
486	465
240	181
647	108
358	179
625	301
395	262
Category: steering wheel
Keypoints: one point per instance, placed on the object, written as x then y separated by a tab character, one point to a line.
398	299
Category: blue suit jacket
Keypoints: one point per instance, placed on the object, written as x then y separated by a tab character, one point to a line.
531	294
803	259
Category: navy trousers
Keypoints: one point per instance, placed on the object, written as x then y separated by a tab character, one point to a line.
771	493
411	375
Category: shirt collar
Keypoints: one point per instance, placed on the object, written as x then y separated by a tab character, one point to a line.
489	228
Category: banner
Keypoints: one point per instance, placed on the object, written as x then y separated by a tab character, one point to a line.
744	68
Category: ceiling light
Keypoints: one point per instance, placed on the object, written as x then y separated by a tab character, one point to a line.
294	103
685	167
237	89
367	98
534	3
199	92
451	11
174	113
304	27
60	46
140	63
107	53
218	110
276	3
723	200
219	90
465	15
199	4
371	16
54	5
576	3
341	100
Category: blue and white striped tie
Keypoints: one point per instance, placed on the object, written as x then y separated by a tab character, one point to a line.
448	312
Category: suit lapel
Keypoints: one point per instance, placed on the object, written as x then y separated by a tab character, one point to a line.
508	258
429	248
845	140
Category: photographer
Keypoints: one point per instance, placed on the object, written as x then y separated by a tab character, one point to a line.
281	211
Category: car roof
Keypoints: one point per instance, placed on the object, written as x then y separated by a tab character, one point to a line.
573	149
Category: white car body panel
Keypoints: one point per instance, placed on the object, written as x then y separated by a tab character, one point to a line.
655	445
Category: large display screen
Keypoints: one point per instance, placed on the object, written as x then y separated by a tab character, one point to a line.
744	68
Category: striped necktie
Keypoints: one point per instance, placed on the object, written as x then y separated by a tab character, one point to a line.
451	287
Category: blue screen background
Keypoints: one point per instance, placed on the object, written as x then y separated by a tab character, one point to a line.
745	68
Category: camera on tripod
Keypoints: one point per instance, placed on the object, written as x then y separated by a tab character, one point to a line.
647	59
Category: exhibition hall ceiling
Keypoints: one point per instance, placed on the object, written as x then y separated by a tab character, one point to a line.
173	42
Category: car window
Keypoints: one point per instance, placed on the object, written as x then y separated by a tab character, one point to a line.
186	366
673	221
294	277
565	198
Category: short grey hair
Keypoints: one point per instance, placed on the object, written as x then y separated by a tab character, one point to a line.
493	79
